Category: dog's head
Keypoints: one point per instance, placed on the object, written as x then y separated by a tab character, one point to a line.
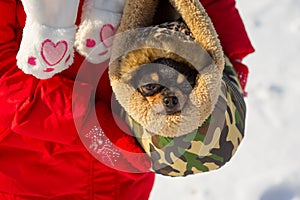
165	84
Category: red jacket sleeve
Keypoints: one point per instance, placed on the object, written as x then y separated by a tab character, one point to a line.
233	36
230	27
43	109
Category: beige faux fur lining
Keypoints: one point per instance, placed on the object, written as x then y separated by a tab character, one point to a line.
144	45
138	14
202	28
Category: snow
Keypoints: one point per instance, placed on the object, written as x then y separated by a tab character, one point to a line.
266	166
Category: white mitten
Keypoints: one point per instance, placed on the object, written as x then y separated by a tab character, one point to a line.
48	37
99	21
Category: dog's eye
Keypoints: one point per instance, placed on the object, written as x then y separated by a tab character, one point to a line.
152	87
149	89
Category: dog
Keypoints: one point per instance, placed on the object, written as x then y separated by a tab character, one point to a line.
166	84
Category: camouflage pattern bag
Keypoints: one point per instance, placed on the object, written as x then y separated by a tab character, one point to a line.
209	128
207	148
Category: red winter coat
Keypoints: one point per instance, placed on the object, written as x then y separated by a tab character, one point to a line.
41	155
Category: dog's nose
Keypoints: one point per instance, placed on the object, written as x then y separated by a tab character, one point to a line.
170	102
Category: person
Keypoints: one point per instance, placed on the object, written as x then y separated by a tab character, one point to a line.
41	153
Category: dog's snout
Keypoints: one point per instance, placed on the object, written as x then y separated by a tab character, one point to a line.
170	102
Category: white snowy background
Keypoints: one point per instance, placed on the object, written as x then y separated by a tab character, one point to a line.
267	164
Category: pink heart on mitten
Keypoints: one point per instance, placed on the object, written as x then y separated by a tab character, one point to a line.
53	53
106	35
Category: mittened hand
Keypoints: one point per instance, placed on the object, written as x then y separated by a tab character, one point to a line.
45	51
49	34
98	24
48	37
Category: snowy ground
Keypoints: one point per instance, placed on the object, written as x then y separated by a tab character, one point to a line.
266	166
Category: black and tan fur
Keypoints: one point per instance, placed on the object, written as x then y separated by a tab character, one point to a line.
165	84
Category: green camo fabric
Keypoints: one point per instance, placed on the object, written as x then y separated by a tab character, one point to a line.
207	148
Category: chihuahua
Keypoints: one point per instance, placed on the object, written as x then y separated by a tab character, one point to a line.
166	84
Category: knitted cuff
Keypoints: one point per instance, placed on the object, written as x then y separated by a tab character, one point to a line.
242	71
